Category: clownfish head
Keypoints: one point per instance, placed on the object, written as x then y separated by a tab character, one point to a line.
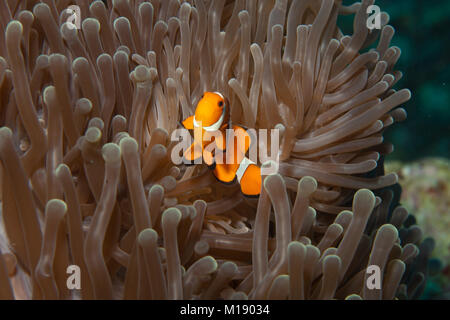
210	112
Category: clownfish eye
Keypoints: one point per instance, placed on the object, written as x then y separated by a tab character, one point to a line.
220	103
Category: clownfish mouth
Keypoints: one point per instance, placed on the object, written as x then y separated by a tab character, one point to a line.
216	125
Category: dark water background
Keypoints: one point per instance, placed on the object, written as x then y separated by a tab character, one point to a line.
422	32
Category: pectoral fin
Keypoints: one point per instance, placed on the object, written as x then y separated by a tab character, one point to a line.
188	123
251	181
225	172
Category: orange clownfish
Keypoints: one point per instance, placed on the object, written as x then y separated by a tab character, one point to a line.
210	123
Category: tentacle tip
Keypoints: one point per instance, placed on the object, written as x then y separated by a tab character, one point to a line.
49	94
156	189
41	8
111	153
128	145
56	205
296	246
307	185
61	169
14	28
389	230
93	134
5	132
121	22
147	236
79	62
171	215
142	73
353	297
91	25
84	105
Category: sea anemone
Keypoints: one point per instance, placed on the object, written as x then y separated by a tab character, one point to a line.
86	171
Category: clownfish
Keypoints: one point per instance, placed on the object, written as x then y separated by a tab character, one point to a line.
212	116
